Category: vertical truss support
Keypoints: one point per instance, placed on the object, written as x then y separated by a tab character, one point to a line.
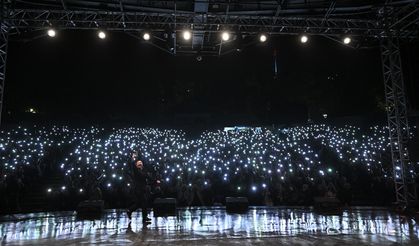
4	37
397	116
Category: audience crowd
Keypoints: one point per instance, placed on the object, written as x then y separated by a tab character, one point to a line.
270	166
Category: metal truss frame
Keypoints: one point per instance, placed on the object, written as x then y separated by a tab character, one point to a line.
158	22
397	117
396	103
4	37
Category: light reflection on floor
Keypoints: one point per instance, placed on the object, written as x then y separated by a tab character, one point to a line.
209	226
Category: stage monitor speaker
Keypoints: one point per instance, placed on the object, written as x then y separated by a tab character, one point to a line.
164	206
90	208
237	204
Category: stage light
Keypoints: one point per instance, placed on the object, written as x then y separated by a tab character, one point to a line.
225	36
51	33
263	38
49	190
63	188
146	36
304	39
254	188
81	190
347	40
187	35
101	34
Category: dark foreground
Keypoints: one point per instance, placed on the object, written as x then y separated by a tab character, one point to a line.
213	226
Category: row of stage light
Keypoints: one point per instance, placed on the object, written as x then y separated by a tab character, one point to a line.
187	35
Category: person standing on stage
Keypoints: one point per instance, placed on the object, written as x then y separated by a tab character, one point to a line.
138	177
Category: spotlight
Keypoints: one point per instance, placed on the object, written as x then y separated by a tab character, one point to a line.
187	35
263	38
347	40
49	190
225	36
304	39
101	34
146	36
51	33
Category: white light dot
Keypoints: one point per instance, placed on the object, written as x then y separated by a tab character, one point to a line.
101	35
187	35
347	40
51	33
263	38
225	36
304	39
146	36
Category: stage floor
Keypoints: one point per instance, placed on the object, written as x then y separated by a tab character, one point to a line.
213	226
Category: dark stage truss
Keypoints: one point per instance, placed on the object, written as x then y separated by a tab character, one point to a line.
383	23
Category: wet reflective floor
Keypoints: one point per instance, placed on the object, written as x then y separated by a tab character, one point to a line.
214	226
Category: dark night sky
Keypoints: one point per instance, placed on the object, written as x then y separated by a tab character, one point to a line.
78	75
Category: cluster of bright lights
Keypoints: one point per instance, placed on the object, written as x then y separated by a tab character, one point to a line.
52	33
262	155
187	35
346	40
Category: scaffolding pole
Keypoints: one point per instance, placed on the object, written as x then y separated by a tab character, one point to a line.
4	37
397	117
